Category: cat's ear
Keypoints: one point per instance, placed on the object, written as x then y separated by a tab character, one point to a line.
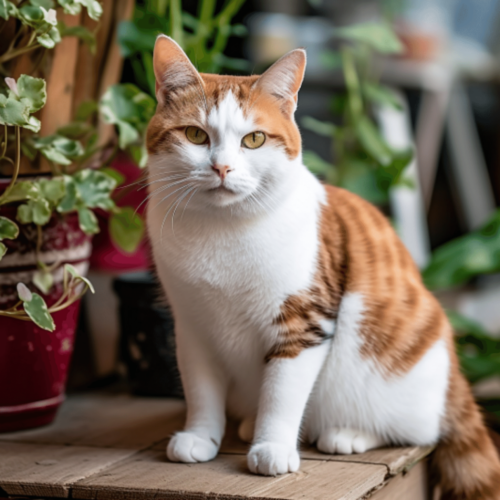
284	78
172	67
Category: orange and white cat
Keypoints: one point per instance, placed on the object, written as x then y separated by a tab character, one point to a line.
297	308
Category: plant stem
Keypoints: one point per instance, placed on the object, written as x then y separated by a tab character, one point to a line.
352	83
16	167
10	55
4	147
176	22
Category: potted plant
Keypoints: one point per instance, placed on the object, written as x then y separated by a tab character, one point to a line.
51	186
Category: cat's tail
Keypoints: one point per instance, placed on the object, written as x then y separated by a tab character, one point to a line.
466	465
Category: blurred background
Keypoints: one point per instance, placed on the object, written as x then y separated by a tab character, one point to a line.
400	104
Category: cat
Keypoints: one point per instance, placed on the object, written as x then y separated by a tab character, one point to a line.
297	308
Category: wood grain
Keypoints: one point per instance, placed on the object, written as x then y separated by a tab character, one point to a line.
103	420
409	486
148	475
28	469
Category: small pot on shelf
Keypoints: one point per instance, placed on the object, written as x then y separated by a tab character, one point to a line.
147	340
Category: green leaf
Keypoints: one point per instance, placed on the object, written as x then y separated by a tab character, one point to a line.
4	14
378	36
71	270
80	32
74	7
46	4
37	310
331	59
94	188
34	124
380	94
13	112
36	211
3	250
111	172
46	41
361	178
75	130
321	128
127	134
139	155
130	109
86	110
32	92
88	221
126	229
459	260
70	6
23	190
94	8
316	164
372	141
8	229
59	149
52	190
68	202
43	280
31	15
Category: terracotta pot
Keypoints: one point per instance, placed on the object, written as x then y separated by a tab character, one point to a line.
34	362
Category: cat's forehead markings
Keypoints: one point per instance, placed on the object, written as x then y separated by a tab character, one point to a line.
228	115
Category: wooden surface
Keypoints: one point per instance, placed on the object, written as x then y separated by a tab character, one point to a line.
109	446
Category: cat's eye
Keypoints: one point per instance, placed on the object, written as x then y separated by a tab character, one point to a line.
254	140
196	135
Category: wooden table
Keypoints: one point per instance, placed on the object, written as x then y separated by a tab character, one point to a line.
110	446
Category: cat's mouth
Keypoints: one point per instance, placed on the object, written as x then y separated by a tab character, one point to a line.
221	189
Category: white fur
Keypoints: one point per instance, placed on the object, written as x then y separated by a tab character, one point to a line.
227	264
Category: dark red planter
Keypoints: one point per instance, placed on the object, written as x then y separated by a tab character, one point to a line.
34	362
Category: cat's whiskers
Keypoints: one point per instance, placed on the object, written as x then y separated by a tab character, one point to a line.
170	208
160	190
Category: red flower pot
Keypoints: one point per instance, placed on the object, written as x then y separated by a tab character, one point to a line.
34	362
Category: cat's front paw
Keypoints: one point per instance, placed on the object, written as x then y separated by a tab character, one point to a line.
271	459
189	447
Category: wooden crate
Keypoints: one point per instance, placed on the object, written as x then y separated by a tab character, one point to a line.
107	446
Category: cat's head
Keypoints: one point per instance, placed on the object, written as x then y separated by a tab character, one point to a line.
223	141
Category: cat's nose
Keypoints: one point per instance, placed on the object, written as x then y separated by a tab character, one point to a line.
222	170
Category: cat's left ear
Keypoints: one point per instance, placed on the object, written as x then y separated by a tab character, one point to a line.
172	67
284	78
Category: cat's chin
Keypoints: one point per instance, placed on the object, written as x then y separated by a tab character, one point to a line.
223	196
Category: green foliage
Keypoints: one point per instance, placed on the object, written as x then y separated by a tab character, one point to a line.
379	37
459	260
130	110
479	353
204	38
24	97
126	229
37	310
364	162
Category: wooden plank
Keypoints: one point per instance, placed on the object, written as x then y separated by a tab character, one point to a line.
30	469
60	82
396	459
409	486
105	420
148	475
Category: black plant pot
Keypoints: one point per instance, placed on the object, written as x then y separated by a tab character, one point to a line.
147	341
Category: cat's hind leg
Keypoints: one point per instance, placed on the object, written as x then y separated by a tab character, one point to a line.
346	441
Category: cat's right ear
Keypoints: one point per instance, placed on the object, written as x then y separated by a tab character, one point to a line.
172	67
